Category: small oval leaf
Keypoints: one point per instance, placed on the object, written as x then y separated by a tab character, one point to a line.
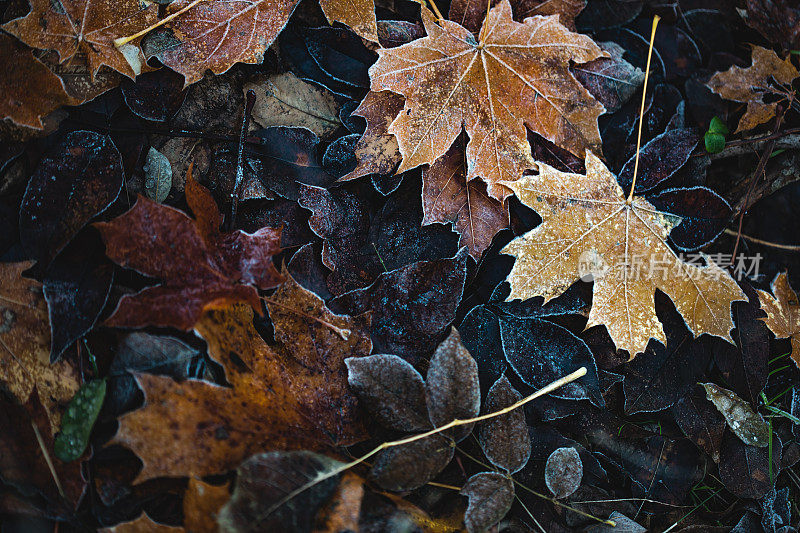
505	439
563	472
410	466
490	497
743	421
78	420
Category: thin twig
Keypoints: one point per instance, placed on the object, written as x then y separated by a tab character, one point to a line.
125	40
48	460
787	247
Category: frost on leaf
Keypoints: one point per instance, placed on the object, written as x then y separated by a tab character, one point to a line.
589	231
516	76
783	312
743	421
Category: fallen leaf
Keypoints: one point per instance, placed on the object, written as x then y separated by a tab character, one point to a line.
78	420
391	390
377	151
611	80
287	396
143	524
659	159
700	421
504	439
85	26
358	14
744	470
516	76
563	472
745	423
704	215
470	13
490	497
25	346
213	268
216	35
783	312
286	100
777	20
342	513
447	197
410	466
201	504
156	95
749	85
623	524
452	391
157	176
29	90
589	228
74	183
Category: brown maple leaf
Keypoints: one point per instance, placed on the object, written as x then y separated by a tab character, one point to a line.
516	75
750	84
358	14
216	35
470	13
447	197
87	26
25	345
376	150
28	89
783	312
292	395
200	266
589	228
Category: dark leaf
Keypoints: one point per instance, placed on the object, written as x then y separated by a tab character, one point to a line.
76	287
611	80
340	54
504	439
155	95
390	389
777	20
393	33
480	333
600	14
72	185
704	215
563	472
339	158
306	267
264	481
490	497
776	511
700	421
659	159
412	306
452	390
745	470
541	352
545	439
409	466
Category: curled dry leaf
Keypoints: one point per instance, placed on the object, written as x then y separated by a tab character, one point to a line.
749	85
88	27
29	91
263	497
490	497
377	151
748	425
563	472
409	466
212	268
390	389
25	346
783	312
286	100
589	229
452	390
215	35
287	396
505	439
516	76
447	197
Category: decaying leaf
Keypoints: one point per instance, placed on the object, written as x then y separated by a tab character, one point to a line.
25	346
452	390
448	197
391	390
470	13
745	469
748	425
589	229
201	504
490	497
157	176
504	439
783	312
29	90
261	497
563	472
700	421
286	100
750	84
358	14
409	466
212	268
287	396
86	26
517	75
215	35
611	80
377	151
343	511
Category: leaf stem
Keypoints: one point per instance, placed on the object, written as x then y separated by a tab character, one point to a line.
641	109
125	40
454	423
435	9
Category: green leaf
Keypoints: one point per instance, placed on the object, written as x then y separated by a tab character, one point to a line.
717	126
715	142
77	422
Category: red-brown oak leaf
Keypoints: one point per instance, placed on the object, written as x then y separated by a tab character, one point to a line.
199	265
290	395
514	75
